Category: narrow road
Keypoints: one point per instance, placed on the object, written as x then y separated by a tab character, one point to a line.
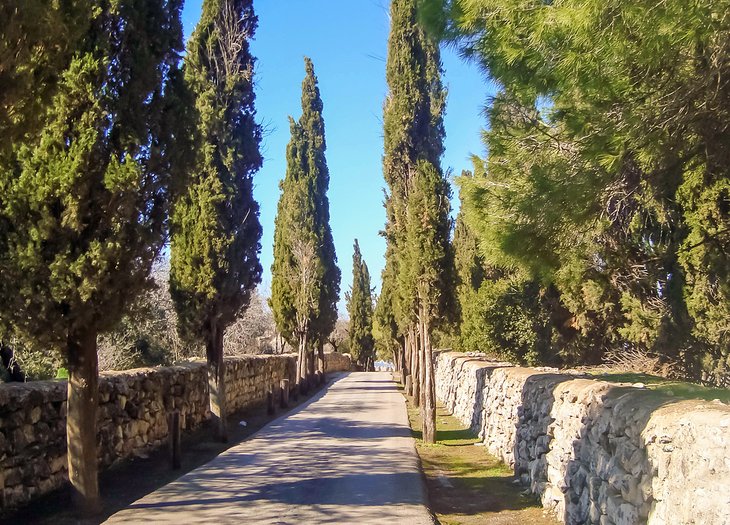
346	456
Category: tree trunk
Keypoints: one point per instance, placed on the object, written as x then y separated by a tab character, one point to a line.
320	362
83	401
415	350
217	381
310	369
429	388
403	369
422	360
409	363
302	365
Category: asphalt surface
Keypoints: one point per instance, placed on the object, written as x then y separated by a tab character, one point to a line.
346	456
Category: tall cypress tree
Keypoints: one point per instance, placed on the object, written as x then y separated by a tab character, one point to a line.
417	202
216	238
360	308
385	315
305	278
87	200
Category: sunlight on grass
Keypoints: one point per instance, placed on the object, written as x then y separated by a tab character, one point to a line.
467	485
679	389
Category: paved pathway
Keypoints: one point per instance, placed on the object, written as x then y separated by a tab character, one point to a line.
346	456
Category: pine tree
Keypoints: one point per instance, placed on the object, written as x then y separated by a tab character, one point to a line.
418	199
360	308
87	198
216	236
305	278
607	185
470	273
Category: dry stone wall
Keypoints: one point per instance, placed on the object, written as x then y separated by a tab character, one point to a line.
596	452
337	362
132	417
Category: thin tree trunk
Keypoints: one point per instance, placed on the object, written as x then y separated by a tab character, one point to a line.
403	370
320	363
429	386
302	364
310	368
83	401
409	364
217	382
421	360
416	367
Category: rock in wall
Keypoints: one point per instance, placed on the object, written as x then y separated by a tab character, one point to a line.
596	452
132	416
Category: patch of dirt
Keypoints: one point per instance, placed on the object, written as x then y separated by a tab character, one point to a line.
466	485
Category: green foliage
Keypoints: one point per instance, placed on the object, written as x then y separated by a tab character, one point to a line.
608	165
419	262
36	362
305	279
360	308
38	39
501	313
84	194
506	319
428	257
216	236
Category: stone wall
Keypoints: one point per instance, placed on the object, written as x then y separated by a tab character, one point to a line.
596	452
132	417
337	362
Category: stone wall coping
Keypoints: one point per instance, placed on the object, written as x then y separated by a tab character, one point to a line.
638	397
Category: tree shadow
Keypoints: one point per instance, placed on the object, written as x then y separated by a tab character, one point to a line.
121	484
590	432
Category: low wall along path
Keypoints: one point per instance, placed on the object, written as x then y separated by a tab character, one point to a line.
132	416
596	452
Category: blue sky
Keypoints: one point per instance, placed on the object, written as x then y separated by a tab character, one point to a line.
347	41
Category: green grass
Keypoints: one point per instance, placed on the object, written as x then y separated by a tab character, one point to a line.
467	485
678	389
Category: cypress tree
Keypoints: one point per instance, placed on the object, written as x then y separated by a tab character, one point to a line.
385	315
305	279
418	199
216	237
37	40
86	200
360	308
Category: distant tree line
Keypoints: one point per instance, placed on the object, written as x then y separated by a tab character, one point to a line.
360	309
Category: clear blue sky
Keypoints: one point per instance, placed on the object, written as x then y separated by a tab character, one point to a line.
347	40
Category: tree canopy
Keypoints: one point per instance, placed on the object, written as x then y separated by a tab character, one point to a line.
305	283
85	193
360	308
606	177
216	236
418	274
